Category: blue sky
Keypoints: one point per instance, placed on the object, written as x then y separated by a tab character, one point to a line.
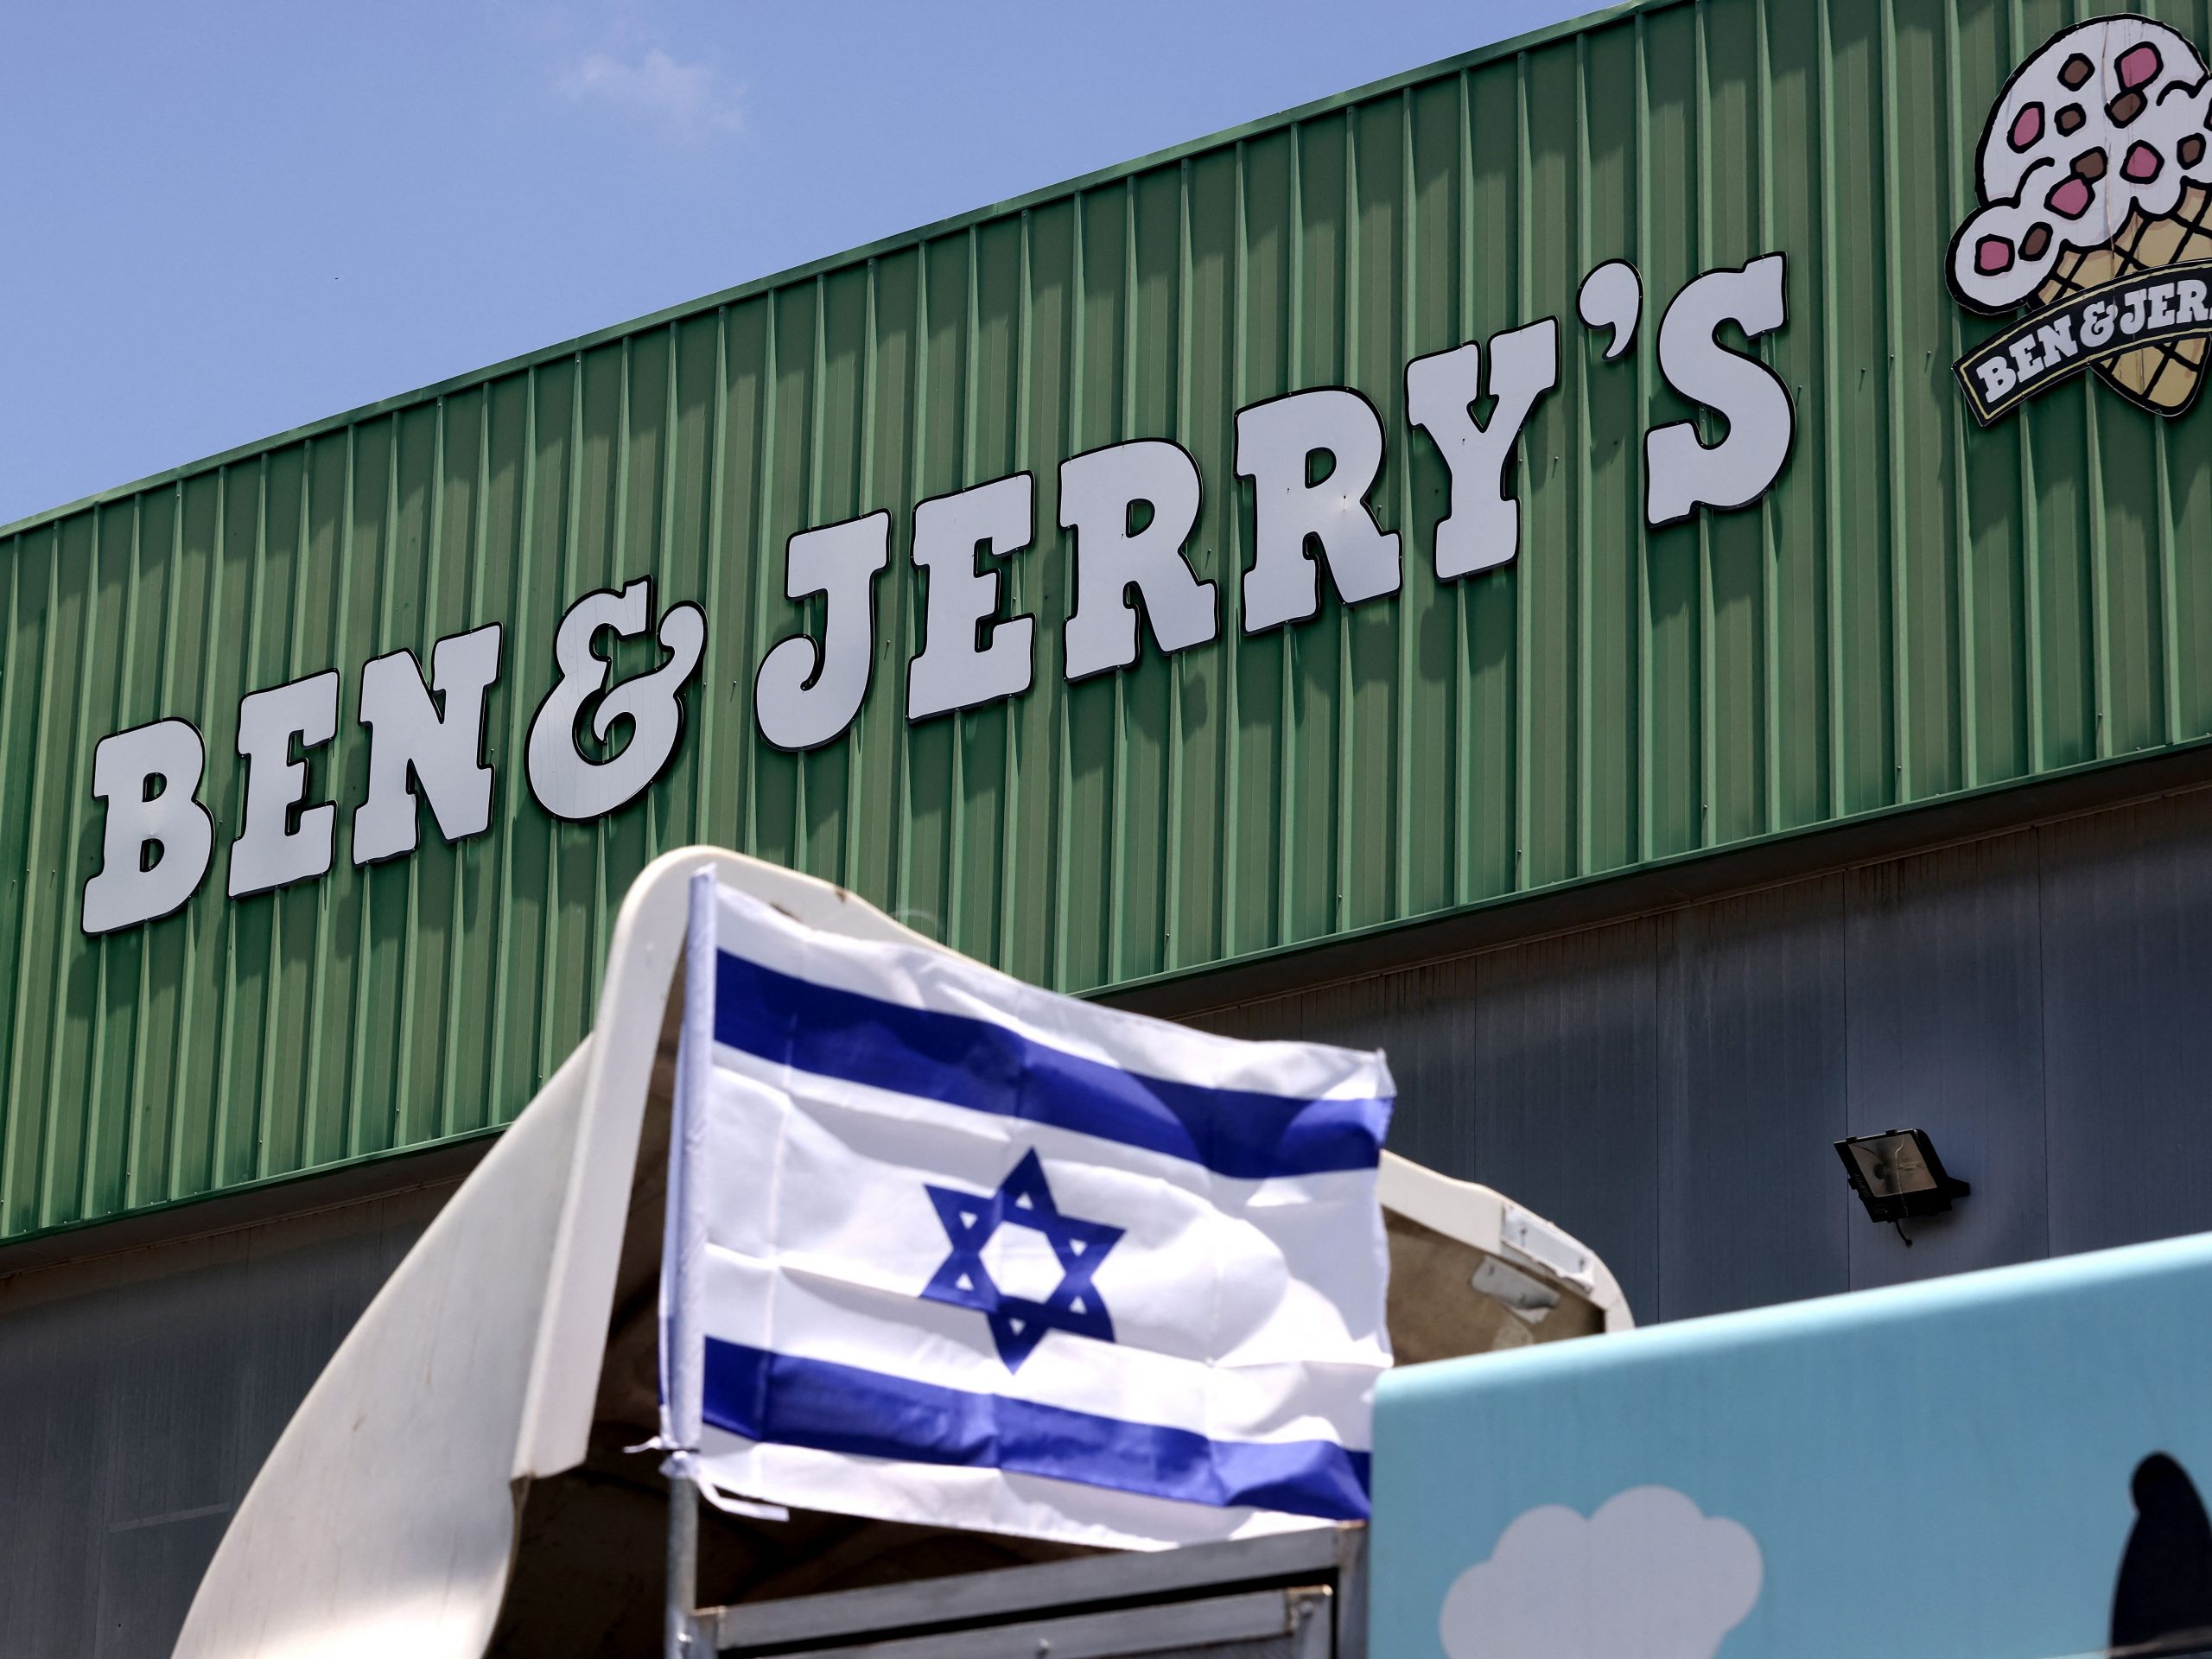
219	221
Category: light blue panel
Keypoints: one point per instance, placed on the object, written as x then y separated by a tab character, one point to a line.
1928	1471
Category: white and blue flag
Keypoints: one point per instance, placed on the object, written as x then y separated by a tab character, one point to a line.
967	1253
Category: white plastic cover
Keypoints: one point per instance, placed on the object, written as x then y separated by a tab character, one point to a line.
383	1523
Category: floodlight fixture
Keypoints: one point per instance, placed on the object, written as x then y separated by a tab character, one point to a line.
1897	1174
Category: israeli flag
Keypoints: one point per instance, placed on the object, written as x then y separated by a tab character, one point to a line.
948	1248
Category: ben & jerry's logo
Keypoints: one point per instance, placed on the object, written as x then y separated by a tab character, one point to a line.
2095	223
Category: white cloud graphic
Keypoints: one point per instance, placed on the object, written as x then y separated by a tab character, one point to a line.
1648	1576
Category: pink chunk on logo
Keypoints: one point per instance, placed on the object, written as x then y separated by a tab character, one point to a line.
2142	165
2027	126
2071	199
2138	65
1994	255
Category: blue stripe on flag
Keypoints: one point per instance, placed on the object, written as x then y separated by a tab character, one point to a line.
785	1400
989	1068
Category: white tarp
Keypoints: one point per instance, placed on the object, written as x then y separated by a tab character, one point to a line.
383	1522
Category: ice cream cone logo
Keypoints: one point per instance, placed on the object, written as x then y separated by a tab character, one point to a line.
2094	173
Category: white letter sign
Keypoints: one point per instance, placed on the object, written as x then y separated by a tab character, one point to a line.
805	694
1276	441
267	853
131	889
1680	472
411	742
1483	528
1098	492
956	669
568	784
1130	511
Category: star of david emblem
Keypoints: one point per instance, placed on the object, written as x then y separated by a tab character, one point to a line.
1017	1325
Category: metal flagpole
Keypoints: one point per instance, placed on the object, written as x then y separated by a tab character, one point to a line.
685	1244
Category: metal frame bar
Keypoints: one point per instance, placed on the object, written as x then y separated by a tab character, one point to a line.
1333	1558
1259	1615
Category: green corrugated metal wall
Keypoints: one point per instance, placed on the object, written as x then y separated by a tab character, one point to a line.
1916	609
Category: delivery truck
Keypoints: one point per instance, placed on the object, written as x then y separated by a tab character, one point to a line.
1999	1462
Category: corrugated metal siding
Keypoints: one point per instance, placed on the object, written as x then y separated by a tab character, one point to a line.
1916	609
138	1397
1668	1087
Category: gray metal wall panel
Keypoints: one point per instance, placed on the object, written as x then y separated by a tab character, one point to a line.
1429	1028
1944	985
1574	1083
138	1397
146	1577
1753	1207
1559	1110
2126	963
50	1538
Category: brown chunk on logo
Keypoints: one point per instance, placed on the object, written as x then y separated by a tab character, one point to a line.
2076	71
2089	164
2069	119
2125	108
2035	241
2190	149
